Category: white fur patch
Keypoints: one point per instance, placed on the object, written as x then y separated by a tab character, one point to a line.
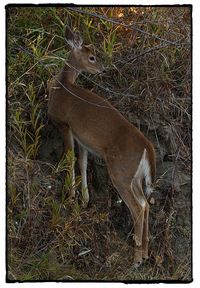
144	171
142	202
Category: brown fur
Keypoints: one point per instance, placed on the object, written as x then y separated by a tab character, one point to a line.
98	126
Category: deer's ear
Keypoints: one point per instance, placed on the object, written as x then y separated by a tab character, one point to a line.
91	48
73	39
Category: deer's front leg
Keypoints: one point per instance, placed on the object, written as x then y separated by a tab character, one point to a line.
83	154
69	146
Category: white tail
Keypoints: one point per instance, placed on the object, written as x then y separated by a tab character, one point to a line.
97	126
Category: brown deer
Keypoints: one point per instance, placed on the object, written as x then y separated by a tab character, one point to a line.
99	127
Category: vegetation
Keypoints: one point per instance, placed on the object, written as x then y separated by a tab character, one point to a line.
147	54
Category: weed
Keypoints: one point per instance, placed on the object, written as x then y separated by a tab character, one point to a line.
149	80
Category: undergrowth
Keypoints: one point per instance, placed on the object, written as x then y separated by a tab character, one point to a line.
148	78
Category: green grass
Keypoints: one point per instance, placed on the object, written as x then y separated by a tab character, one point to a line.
50	238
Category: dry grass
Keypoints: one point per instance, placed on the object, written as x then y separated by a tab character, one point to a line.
148	78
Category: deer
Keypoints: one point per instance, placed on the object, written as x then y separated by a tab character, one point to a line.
99	128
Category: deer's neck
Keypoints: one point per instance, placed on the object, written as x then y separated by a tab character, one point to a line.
69	74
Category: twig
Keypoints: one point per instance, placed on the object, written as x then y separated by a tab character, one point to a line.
129	26
96	84
130	61
53	76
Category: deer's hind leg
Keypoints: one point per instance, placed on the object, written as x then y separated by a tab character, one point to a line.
136	202
139	196
145	240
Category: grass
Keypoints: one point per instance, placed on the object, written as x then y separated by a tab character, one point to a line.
50	238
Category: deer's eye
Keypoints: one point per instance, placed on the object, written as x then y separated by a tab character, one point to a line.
92	59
